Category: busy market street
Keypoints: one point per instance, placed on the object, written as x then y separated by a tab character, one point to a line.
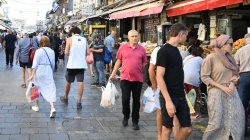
125	69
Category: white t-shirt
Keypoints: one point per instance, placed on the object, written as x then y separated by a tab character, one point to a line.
192	68
154	55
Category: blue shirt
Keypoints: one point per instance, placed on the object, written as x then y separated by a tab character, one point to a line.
109	42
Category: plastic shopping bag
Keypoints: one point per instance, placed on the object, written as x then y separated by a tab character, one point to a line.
32	92
109	95
149	100
191	97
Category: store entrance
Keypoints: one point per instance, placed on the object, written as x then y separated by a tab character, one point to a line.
239	27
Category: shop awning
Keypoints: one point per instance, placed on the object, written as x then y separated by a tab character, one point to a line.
190	6
142	10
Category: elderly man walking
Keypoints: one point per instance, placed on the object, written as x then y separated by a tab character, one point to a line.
242	58
133	58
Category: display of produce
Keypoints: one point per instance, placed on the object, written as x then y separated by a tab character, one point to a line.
238	44
206	49
149	48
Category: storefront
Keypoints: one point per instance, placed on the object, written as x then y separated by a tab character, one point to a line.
197	11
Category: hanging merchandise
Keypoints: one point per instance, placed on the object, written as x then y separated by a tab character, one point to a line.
202	32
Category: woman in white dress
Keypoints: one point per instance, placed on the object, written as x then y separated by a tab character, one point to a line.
42	74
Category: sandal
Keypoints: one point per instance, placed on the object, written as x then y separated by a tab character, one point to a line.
92	74
23	85
196	116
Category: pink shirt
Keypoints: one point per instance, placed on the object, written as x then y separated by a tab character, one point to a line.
132	62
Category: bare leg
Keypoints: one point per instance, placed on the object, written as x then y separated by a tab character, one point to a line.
176	127
67	89
23	75
91	69
29	72
110	67
159	123
52	105
80	91
183	133
166	133
37	103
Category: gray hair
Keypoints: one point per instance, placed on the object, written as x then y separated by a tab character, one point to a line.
247	35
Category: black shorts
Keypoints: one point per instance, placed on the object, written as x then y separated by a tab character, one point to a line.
182	112
25	65
72	73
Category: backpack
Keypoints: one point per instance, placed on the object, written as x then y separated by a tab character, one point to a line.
107	56
32	51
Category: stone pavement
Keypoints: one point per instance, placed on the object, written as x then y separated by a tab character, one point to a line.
19	122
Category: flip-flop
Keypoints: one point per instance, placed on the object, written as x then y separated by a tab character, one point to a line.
23	85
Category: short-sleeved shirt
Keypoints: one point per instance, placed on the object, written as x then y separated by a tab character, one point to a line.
98	56
10	40
109	42
132	62
242	58
170	58
154	55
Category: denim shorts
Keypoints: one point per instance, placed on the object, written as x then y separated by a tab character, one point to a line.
182	112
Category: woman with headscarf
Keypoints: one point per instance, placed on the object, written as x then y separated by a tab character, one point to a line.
42	74
225	110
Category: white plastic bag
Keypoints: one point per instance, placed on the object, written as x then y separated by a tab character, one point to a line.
149	100
32	93
109	94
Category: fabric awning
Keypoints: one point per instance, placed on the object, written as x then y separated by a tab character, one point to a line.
142	10
190	6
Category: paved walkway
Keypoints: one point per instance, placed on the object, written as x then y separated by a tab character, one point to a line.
19	122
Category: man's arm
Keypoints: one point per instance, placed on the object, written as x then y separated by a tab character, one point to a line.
152	76
68	44
160	71
98	50
116	67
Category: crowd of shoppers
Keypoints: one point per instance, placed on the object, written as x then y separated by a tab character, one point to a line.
171	73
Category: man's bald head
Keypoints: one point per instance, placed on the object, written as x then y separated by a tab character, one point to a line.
133	36
132	32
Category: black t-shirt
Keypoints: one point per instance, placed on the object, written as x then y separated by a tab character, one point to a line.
170	58
10	41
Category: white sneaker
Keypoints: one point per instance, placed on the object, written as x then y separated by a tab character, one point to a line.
52	113
35	108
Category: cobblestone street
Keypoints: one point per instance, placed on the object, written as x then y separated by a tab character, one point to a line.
19	122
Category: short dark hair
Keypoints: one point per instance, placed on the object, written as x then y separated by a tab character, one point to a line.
75	30
176	28
197	51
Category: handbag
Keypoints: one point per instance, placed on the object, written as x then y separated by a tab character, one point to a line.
90	58
32	51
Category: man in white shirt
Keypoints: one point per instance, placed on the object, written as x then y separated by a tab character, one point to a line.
76	49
